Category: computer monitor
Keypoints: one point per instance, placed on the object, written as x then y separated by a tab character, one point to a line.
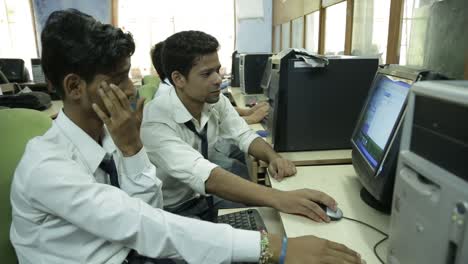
375	140
14	70
37	72
265	82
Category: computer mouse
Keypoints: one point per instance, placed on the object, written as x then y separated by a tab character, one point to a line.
334	215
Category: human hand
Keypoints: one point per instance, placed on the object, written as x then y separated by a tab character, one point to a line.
304	202
280	168
258	106
315	250
123	123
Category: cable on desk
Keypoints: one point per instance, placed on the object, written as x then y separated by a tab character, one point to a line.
376	229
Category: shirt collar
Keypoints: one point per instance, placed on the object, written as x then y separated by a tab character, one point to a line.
182	115
91	152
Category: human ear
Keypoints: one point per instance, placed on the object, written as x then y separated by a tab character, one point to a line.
178	79
73	86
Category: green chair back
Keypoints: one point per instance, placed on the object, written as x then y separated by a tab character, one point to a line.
147	91
17	127
151	79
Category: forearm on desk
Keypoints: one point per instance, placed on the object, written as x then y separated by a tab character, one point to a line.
233	188
261	150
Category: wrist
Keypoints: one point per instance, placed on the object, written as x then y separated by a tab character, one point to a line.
270	252
131	150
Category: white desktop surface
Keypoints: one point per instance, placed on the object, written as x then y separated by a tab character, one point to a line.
340	182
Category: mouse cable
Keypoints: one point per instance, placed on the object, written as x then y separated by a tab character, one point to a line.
376	229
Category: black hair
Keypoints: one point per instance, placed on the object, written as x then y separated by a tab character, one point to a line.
74	42
156	58
182	51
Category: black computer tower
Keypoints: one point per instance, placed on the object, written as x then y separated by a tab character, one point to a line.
315	108
235	69
251	68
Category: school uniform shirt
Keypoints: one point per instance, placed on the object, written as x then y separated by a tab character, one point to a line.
164	87
176	150
65	211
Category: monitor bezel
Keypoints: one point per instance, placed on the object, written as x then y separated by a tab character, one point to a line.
378	168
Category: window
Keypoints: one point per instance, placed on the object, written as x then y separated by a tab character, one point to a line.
434	35
277	39
335	28
16	31
312	31
285	36
370	28
297	40
151	21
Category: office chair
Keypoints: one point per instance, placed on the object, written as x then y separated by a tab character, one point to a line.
151	79
17	126
149	87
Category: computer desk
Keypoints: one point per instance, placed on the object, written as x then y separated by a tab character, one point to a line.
340	182
54	109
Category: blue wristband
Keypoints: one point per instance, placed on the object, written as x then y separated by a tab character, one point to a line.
284	247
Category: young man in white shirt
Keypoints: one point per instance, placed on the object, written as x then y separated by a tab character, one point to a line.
164	86
191	63
72	204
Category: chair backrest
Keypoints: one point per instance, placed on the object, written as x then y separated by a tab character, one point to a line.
148	91
17	127
151	79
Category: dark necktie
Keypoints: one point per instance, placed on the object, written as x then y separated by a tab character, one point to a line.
108	166
202	136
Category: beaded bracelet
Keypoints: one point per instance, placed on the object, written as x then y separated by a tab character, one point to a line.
265	252
284	247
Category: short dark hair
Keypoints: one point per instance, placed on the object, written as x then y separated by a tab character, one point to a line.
182	51
74	42
156	58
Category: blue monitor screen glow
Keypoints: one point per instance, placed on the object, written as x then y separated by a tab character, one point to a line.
381	117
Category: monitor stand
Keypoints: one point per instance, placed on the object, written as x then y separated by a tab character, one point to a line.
374	203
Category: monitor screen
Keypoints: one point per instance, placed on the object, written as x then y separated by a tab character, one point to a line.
266	75
38	74
381	116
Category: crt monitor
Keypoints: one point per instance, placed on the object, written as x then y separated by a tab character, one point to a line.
14	70
266	77
375	140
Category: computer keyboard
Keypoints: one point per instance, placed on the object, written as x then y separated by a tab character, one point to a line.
249	219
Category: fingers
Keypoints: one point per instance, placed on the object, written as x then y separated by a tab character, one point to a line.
109	97
342	252
104	118
139	109
122	98
317	211
272	171
321	197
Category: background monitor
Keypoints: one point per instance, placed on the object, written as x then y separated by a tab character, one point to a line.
14	70
375	140
265	82
37	73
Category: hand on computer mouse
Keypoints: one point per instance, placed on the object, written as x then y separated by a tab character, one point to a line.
315	250
305	202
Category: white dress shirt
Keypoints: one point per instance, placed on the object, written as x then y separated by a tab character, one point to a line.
65	211
164	87
175	149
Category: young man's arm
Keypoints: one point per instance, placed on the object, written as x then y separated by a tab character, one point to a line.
278	167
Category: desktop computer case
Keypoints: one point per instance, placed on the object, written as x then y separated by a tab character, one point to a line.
235	70
251	68
317	108
430	202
